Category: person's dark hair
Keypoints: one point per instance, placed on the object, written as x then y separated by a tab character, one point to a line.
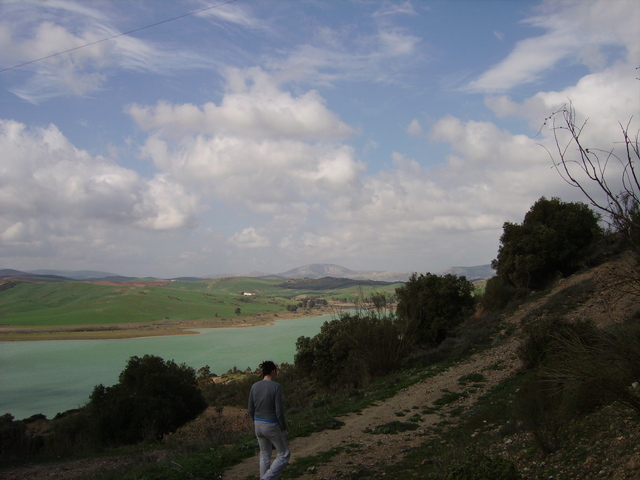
267	367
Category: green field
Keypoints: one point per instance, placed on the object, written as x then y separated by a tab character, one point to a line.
85	303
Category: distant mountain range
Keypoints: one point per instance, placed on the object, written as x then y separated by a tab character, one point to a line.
75	274
322	270
312	271
60	275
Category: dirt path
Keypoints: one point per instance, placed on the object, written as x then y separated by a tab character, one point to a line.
368	450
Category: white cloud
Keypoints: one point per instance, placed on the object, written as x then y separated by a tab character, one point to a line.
261	146
388	8
317	201
45	177
606	99
414	128
235	14
575	30
31	31
249	238
254	107
15	233
396	43
336	56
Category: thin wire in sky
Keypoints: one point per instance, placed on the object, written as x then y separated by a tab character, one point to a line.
118	35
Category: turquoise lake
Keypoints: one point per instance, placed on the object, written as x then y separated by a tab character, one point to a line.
54	376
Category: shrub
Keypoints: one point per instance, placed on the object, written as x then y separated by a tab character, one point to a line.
73	433
14	439
434	305
601	366
152	398
552	239
351	349
544	411
233	394
544	337
578	368
498	292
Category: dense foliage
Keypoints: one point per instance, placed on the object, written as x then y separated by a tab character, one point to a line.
152	398
435	305
352	349
498	291
552	239
14	440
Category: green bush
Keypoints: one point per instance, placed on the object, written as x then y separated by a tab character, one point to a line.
352	349
544	411
600	366
482	467
434	305
151	399
577	368
551	240
232	394
498	292
73	432
14	439
544	337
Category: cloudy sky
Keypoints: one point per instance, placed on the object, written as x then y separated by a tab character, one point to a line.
262	135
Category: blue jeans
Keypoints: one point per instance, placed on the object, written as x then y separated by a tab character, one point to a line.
269	434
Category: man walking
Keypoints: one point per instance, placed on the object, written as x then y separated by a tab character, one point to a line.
267	412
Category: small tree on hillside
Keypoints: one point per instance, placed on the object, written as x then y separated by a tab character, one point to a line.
552	239
434	305
355	347
151	399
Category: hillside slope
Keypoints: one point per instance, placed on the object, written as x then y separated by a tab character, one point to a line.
361	451
611	450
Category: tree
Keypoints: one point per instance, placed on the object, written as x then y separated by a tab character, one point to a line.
327	356
353	348
614	175
434	305
573	159
151	399
552	239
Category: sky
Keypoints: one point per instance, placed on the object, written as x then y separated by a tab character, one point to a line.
264	135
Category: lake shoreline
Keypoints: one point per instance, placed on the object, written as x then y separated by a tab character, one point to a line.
159	328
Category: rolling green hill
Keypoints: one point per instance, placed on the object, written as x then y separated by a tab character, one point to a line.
87	303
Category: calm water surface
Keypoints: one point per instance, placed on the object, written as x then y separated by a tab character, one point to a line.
54	376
